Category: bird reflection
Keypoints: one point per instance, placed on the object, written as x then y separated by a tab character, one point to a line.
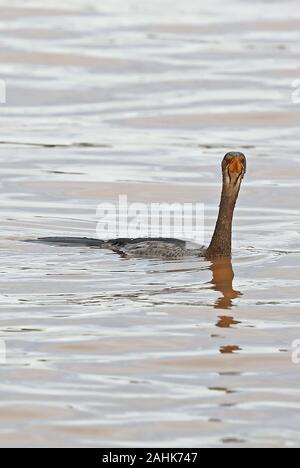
226	322
229	349
222	279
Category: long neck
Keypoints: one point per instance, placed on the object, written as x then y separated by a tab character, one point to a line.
220	245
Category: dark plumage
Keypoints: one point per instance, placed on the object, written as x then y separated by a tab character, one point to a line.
233	169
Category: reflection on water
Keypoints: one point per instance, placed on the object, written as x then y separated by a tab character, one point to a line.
222	281
229	349
226	322
144	99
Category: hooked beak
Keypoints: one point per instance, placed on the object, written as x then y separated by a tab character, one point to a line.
235	166
236	170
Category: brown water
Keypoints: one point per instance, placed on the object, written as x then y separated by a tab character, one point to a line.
144	98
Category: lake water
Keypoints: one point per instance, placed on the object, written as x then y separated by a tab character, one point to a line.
144	98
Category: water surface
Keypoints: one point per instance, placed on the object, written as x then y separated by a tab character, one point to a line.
122	97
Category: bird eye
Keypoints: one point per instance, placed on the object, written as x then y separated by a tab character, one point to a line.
243	160
228	158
